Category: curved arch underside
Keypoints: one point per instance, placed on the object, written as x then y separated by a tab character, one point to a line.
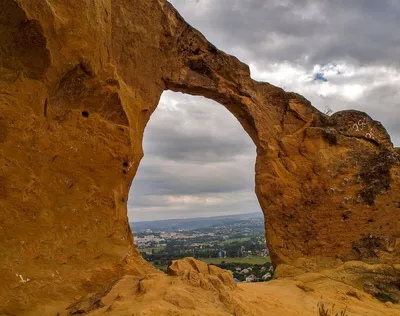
74	104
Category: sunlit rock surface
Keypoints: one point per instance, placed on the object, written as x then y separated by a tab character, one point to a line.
78	83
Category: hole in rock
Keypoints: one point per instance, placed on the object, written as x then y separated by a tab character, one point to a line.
193	194
85	114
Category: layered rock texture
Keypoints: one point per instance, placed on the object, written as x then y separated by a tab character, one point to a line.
79	80
195	289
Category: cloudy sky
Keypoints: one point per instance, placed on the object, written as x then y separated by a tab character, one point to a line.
339	54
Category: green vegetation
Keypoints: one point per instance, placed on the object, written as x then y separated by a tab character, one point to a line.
240	241
233	243
245	260
256	272
386	297
236	240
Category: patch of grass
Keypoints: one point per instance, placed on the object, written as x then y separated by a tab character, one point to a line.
248	260
385	297
326	311
232	240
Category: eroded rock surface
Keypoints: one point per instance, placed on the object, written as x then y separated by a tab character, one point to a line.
349	287
201	274
78	83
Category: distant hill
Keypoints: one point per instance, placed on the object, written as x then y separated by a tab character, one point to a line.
193	223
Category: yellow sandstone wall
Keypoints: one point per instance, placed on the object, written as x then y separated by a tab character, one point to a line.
78	83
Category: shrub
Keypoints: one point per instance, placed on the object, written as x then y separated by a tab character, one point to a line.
385	297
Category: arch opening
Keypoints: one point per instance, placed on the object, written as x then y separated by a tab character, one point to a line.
193	194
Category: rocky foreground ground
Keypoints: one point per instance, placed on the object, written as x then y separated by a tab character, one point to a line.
194	288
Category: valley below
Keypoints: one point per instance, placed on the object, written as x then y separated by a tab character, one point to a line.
235	243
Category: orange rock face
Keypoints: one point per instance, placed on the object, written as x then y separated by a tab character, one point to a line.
78	83
201	274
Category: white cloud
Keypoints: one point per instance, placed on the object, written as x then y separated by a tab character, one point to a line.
198	161
347	86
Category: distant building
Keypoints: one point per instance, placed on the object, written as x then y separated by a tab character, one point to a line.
222	254
251	278
267	276
244	271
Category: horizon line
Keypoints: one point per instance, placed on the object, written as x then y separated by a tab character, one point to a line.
200	217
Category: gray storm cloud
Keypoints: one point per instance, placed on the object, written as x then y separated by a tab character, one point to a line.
198	162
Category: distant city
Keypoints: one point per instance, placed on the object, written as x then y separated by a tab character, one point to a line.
236	243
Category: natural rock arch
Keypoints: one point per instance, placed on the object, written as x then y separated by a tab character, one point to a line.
296	143
71	129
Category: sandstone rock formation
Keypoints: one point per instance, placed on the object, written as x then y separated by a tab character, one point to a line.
201	274
78	83
192	290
